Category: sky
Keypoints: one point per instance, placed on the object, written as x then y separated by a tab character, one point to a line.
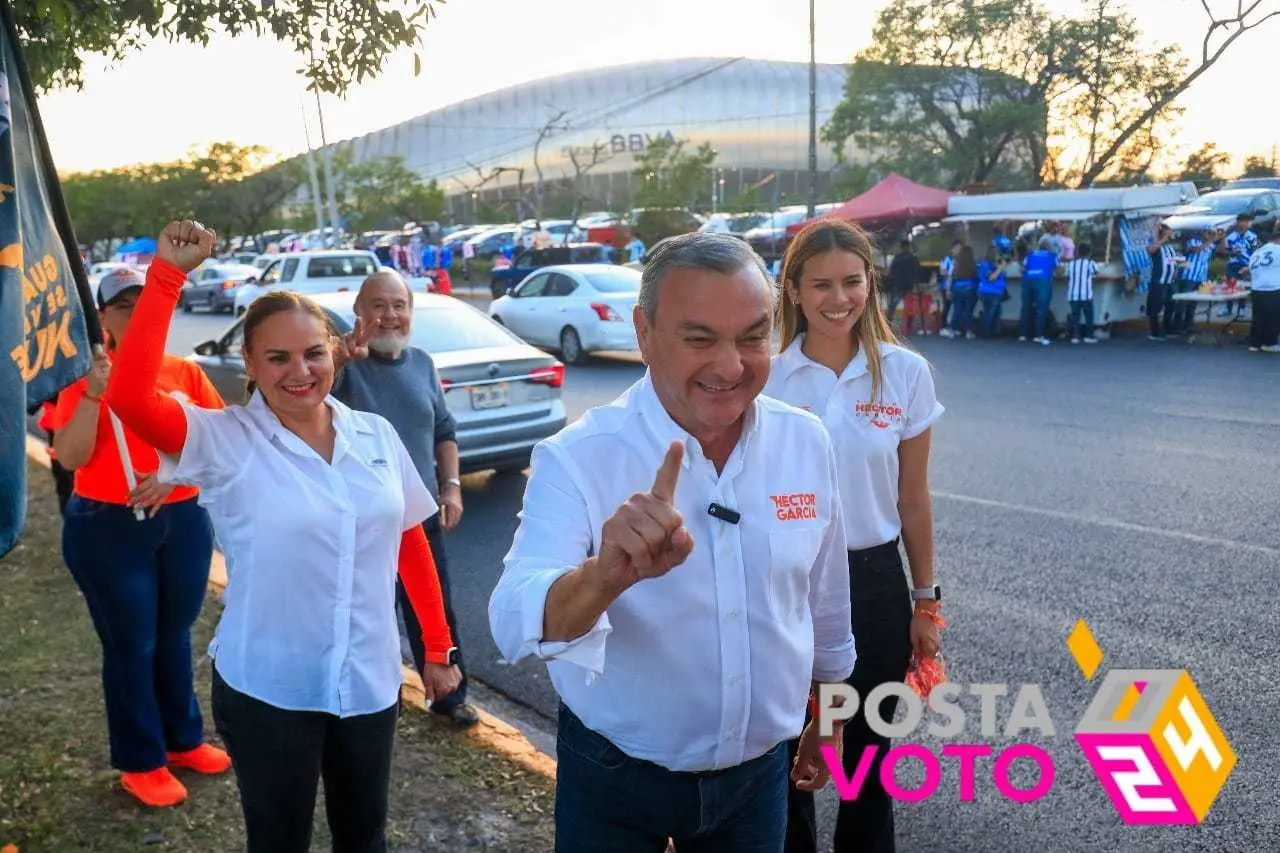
252	94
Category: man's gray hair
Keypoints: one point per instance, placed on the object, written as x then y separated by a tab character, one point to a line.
715	252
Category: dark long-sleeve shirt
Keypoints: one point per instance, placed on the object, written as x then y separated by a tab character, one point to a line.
407	392
904	273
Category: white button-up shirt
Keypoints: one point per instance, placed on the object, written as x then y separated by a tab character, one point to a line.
866	432
312	550
708	666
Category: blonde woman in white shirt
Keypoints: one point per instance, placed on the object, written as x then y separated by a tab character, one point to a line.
840	360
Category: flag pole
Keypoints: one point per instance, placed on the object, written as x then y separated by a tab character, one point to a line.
61	216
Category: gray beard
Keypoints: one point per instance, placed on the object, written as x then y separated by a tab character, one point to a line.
389	346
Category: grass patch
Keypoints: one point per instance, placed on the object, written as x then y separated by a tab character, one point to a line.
58	792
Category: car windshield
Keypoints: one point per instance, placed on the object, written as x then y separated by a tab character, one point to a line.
621	281
1222	204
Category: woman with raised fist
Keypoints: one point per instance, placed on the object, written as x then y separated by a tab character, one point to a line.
316	506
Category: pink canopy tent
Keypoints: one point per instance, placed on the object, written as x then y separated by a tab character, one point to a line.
895	199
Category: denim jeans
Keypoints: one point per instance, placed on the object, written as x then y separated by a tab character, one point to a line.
435	539
991	311
1036	295
608	802
882	610
1159	307
1081	308
144	583
962	303
279	758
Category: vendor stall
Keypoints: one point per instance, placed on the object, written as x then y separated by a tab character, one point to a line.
895	201
1116	222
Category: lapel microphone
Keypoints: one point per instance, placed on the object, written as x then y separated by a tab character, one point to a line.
724	513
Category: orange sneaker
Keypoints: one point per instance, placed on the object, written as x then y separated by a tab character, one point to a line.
205	758
155	788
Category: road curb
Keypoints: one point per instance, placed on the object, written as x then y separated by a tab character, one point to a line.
493	732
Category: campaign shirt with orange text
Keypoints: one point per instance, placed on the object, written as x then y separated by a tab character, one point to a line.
102	478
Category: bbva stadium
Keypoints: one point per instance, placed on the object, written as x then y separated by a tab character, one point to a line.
590	125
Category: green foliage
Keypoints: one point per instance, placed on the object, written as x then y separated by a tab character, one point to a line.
954	92
345	41
231	188
1204	166
386	193
668	177
1259	167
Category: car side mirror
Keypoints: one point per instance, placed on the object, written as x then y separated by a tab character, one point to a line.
207	348
1261	214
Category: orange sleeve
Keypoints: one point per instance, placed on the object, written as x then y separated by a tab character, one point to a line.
203	392
65	407
132	394
422	585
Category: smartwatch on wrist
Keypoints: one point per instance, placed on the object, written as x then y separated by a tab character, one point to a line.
929	593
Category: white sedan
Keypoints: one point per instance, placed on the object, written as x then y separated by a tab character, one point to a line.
576	309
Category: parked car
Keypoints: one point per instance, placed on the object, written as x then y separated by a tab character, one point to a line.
488	244
575	309
505	395
1218	210
334	271
501	280
1252	184
213	286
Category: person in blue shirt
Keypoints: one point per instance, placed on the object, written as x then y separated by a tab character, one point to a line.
964	292
446	257
1037	291
1002	245
991	290
1240	245
429	256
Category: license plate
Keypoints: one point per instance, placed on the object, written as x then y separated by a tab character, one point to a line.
489	396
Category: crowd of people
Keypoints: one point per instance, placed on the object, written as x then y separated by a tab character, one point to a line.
332	490
972	290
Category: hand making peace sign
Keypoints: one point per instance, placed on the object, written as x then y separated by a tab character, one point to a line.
646	536
352	346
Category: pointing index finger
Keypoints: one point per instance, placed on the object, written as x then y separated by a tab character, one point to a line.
664	484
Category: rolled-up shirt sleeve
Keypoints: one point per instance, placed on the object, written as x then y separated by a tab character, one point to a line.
829	601
214	453
553	538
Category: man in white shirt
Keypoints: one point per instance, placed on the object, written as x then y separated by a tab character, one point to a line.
1263	273
685	616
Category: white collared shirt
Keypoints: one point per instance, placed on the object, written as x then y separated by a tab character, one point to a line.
866	433
311	550
708	666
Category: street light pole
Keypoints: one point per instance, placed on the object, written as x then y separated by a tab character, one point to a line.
325	152
311	168
813	117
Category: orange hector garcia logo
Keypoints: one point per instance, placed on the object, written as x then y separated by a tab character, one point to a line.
1151	740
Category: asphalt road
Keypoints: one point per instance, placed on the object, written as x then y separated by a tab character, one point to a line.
1132	484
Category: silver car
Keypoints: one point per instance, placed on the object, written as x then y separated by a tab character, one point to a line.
505	395
214	286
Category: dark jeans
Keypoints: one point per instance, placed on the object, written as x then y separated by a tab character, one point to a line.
144	583
893	299
991	310
279	758
1159	307
1081	308
608	802
435	538
1265	327
882	635
945	321
1179	317
64	481
1036	295
962	303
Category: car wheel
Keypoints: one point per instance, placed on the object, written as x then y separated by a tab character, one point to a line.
240	311
498	320
186	306
571	346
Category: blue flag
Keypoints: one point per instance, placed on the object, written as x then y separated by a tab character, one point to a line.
44	340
